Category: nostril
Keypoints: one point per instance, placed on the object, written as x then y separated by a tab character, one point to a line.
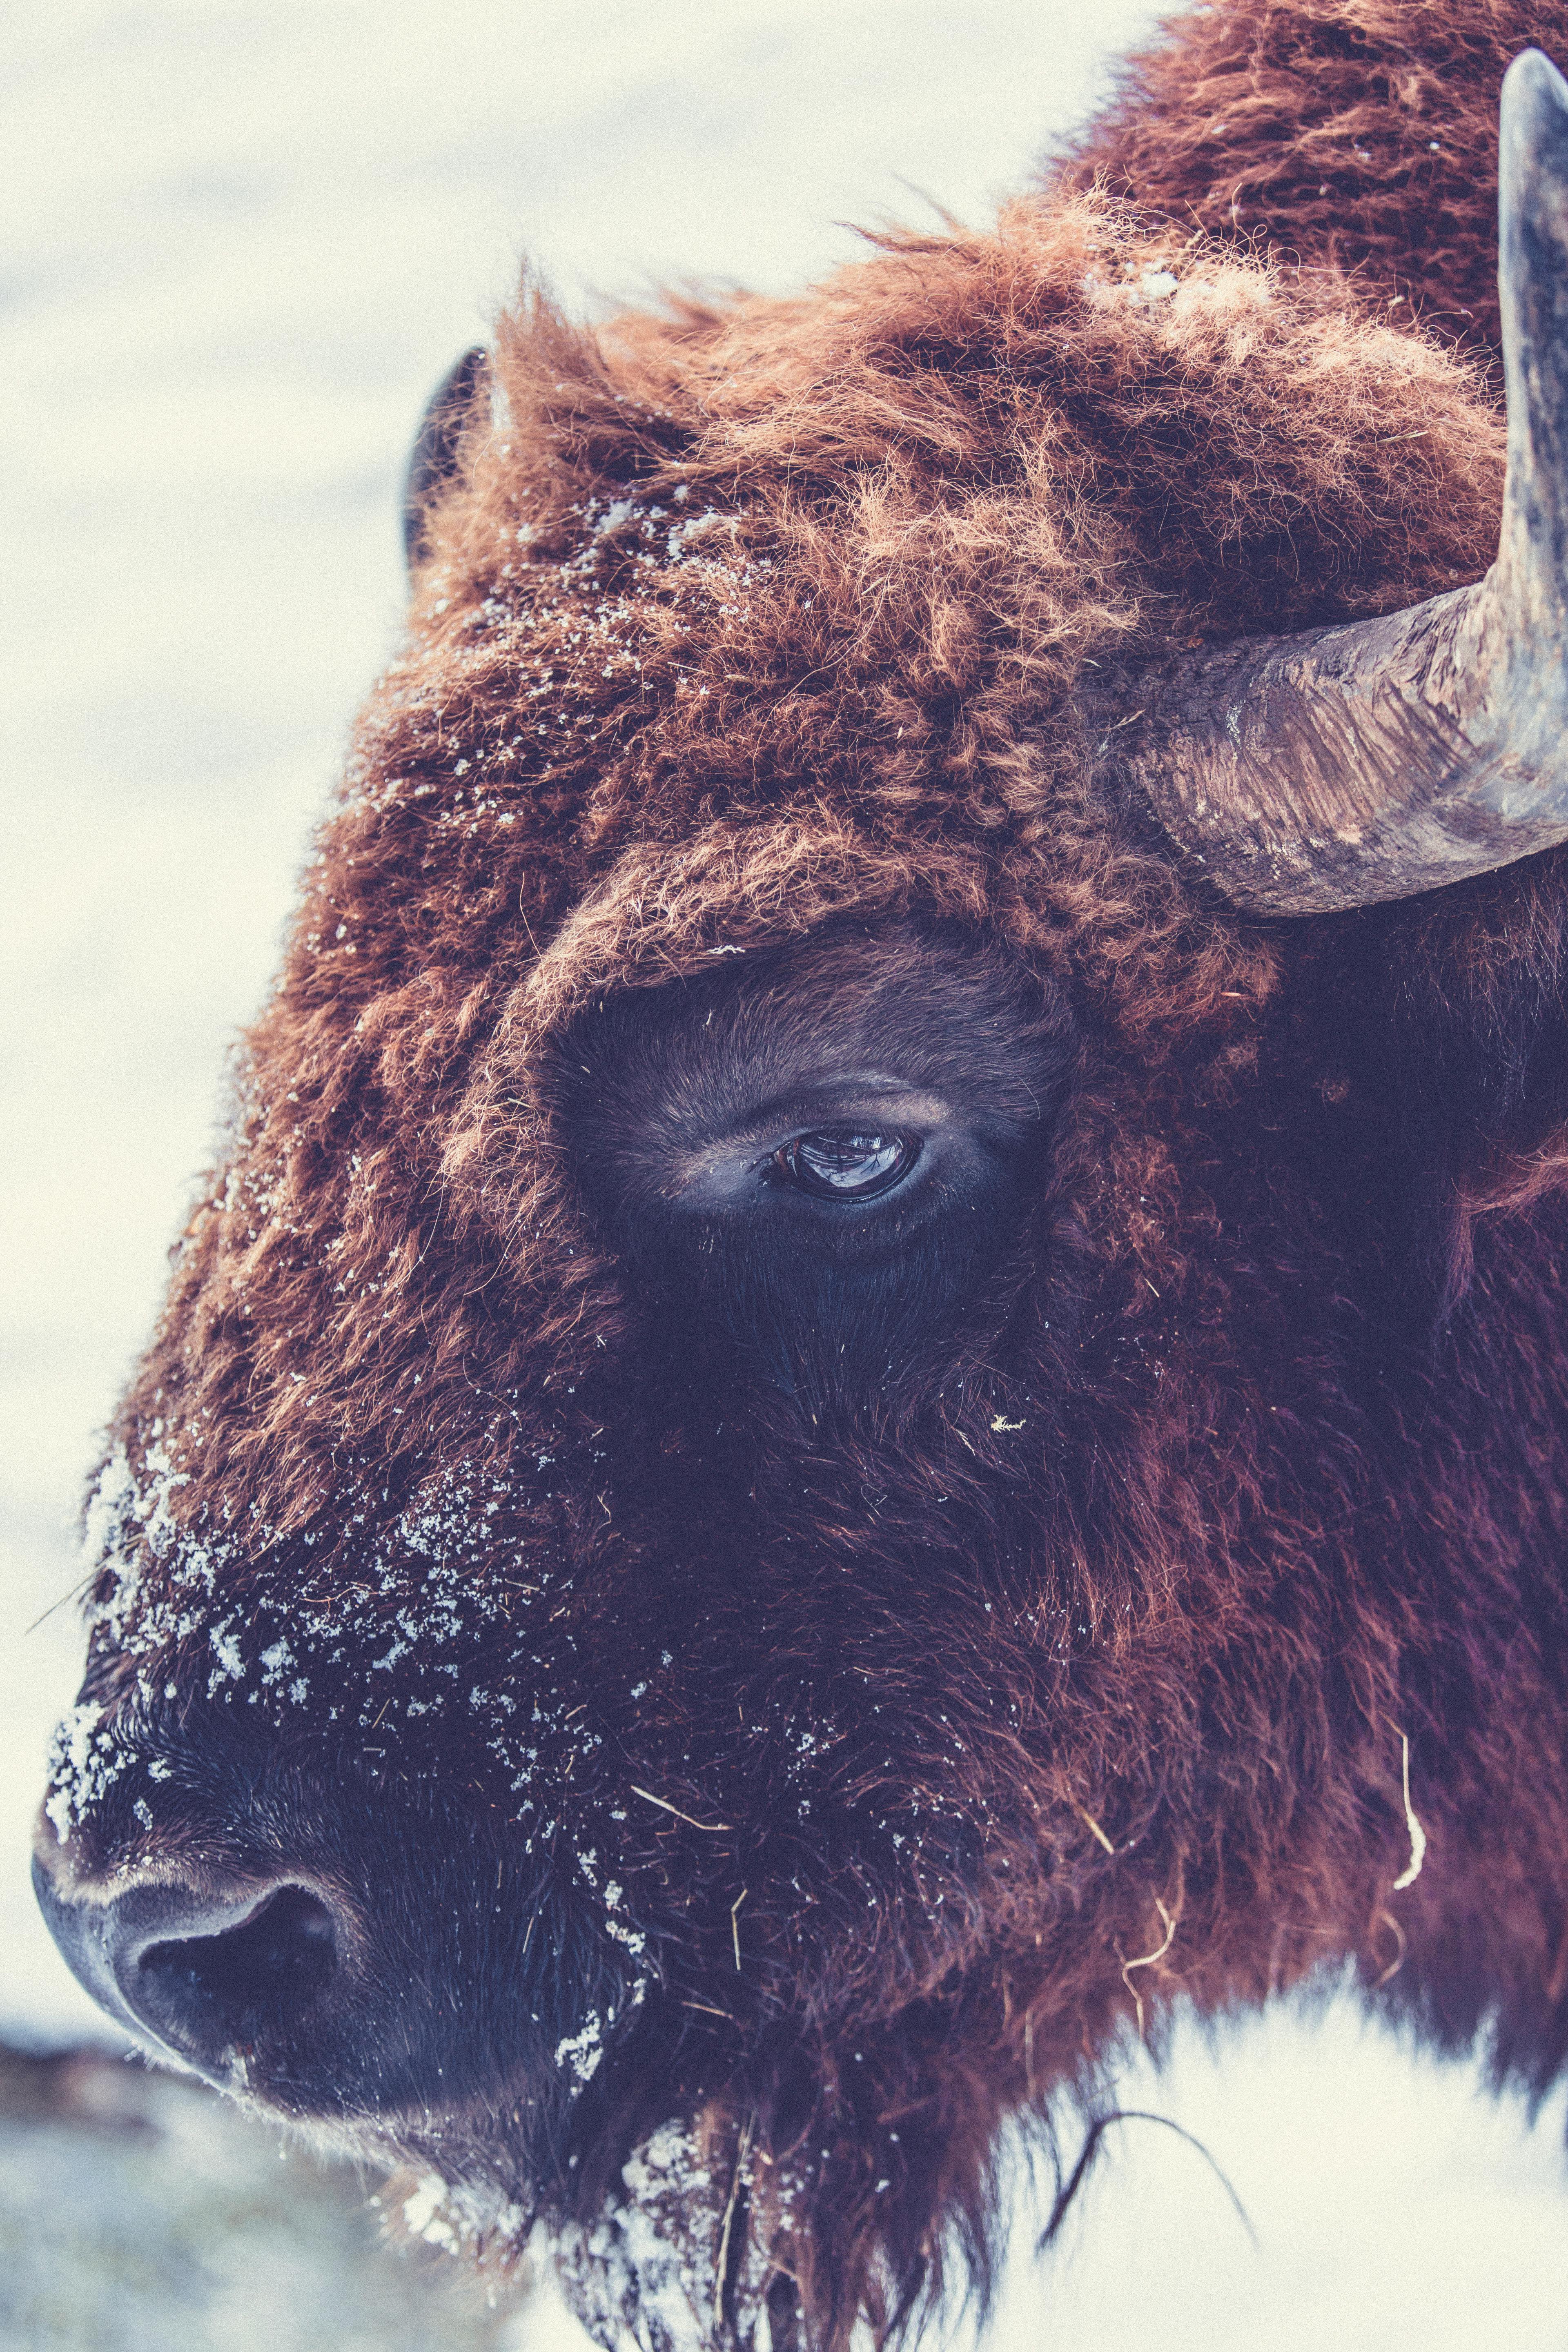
229	1978
275	1960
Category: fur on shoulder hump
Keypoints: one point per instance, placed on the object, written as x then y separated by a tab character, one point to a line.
1352	137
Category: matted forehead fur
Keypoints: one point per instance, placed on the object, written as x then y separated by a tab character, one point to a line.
749	617
742	620
740	623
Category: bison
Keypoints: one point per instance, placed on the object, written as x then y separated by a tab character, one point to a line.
876	1376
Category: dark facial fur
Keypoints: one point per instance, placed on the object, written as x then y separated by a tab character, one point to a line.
679	1703
675	1109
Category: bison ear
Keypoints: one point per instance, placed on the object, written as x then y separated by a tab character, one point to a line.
1386	757
434	457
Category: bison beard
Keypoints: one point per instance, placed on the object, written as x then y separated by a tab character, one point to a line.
837	1422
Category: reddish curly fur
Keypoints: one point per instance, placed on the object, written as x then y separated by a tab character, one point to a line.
745	621
1358	138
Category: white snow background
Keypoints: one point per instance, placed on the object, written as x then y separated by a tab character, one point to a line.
241	243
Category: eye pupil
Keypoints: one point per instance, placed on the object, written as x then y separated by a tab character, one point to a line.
846	1164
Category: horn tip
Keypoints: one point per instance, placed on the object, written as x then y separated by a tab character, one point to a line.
1533	87
1532	215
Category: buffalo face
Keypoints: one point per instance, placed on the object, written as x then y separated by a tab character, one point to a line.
518	1796
807	1451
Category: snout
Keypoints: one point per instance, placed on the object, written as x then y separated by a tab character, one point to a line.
334	1949
215	1976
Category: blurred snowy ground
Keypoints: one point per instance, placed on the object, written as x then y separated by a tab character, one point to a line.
241	243
137	2213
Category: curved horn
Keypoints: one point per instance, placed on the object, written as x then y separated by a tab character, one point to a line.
1354	765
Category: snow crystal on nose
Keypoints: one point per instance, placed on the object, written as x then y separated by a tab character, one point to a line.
84	1763
226	1649
582	2051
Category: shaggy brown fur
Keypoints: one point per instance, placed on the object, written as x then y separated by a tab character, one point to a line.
1358	140
930	1742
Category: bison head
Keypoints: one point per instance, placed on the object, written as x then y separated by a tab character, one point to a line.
839	1415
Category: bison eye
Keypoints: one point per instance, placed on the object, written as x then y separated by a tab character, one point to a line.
846	1164
817	1154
